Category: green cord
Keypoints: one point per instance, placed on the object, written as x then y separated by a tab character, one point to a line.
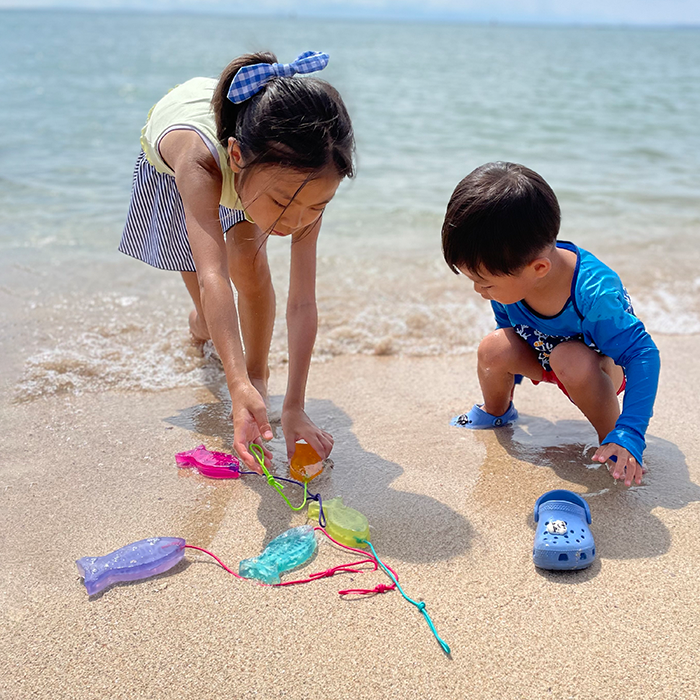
420	606
259	455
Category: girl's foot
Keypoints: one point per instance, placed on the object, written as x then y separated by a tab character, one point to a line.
198	329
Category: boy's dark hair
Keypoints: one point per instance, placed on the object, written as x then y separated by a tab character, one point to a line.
299	123
499	219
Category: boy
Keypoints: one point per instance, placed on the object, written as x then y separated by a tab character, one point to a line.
562	316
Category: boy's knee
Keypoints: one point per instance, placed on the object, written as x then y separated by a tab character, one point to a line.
573	362
496	349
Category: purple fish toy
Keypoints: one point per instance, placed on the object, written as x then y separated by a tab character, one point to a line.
138	560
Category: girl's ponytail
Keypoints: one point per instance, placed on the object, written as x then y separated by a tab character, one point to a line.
225	111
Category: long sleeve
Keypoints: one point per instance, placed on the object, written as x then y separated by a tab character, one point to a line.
618	333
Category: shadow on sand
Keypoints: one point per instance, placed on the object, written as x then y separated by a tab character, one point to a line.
624	524
406	526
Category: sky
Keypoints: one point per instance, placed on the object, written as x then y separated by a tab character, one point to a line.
638	12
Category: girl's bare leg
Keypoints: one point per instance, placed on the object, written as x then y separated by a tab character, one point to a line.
592	381
503	354
198	326
250	272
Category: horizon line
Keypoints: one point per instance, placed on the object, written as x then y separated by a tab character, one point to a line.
412	18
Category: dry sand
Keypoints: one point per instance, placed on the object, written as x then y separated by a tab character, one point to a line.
450	509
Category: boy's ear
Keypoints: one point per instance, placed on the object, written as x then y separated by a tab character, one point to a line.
540	267
235	158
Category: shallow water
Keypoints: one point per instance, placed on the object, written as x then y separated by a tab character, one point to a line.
607	116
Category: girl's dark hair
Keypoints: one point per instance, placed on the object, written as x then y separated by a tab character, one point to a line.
296	122
499	218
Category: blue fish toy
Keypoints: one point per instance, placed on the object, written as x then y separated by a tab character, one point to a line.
138	560
287	551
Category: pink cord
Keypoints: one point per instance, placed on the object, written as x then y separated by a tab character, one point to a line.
223	566
344	568
341	568
379	588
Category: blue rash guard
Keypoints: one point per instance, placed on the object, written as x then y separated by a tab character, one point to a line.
598	313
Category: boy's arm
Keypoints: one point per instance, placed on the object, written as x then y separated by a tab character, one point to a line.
618	333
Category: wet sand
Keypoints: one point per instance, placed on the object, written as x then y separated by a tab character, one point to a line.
450	509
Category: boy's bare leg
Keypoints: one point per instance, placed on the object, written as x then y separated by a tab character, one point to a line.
503	354
198	326
592	381
250	272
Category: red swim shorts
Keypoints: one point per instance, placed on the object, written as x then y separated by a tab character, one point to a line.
548	377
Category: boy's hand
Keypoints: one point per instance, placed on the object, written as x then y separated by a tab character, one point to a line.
626	467
296	425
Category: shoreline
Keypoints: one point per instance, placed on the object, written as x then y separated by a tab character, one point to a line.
450	510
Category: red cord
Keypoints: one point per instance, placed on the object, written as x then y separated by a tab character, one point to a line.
341	568
233	573
379	588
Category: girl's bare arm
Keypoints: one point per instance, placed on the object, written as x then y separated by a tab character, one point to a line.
198	180
302	320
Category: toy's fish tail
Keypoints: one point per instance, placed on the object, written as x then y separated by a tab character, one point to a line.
84	565
257	567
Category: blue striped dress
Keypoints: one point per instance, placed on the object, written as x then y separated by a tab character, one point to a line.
155	230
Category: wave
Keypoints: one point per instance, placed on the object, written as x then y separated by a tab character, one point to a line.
140	342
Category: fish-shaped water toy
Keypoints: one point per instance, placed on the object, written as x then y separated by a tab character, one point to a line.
138	560
343	523
287	551
215	465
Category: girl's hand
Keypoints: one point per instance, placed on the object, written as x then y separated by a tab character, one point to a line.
298	426
626	467
250	424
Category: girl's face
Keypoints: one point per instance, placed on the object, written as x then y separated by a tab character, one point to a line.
282	201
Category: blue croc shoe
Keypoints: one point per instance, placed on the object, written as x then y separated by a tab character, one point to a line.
478	419
562	540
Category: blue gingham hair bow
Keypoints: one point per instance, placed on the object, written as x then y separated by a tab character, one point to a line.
250	79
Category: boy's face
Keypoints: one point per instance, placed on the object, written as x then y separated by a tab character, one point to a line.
505	289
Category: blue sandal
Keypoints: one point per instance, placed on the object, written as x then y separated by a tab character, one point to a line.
563	540
478	419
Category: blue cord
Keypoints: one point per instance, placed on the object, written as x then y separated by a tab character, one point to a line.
420	606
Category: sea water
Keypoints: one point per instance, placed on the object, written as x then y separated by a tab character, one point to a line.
609	116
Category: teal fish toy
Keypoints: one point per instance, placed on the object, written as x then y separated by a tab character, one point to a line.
287	551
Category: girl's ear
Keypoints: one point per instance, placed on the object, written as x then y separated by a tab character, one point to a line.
235	159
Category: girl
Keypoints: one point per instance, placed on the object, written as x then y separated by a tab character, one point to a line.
224	166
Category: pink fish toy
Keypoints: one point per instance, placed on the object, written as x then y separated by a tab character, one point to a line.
215	465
